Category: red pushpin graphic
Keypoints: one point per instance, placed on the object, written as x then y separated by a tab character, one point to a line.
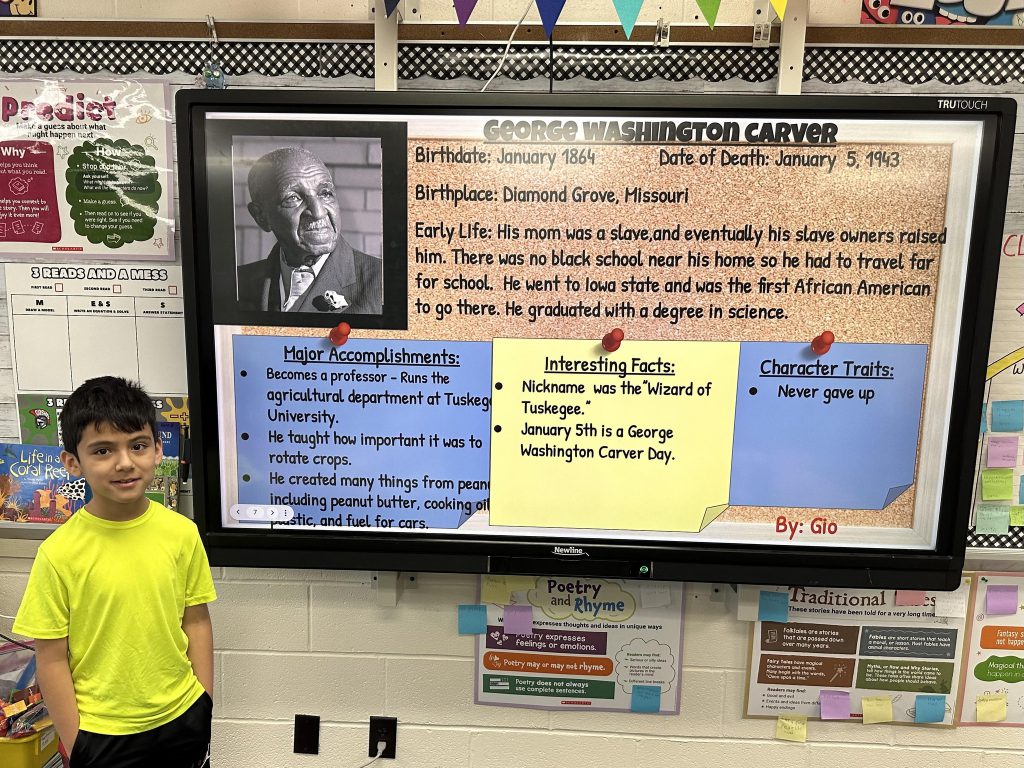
339	333
820	345
612	339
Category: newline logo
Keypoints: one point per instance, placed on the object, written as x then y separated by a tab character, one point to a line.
963	104
571	551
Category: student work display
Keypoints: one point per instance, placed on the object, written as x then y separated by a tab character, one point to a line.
998	514
85	170
787	280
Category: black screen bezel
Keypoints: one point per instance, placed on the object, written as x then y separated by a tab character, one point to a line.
939	568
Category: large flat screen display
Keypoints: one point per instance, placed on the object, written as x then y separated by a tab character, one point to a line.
735	339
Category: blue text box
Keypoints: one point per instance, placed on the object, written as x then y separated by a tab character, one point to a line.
791	448
372	434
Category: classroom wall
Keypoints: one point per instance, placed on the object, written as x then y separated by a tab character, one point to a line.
427	11
317	642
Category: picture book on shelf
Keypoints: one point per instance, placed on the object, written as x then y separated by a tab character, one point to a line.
35	487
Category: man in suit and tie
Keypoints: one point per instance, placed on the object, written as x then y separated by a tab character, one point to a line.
311	268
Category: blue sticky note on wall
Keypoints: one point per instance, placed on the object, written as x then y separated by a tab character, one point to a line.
984	413
773	606
645	698
1008	416
472	619
929	708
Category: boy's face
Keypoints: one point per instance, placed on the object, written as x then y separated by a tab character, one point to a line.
119	466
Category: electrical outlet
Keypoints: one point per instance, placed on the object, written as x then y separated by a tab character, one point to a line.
383	729
307	735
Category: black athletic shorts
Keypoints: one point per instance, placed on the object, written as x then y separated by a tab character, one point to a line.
182	743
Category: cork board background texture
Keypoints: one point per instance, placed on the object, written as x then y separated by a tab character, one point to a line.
909	197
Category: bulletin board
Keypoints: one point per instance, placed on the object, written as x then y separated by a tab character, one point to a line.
997	521
800	284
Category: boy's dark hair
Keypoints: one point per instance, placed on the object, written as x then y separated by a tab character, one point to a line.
107	399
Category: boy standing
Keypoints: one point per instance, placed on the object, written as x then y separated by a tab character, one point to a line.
117	599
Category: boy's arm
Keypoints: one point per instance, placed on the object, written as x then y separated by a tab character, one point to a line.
199	630
54	676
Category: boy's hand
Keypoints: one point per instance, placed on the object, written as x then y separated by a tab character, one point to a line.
199	630
54	676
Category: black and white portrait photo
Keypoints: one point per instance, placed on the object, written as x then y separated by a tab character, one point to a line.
308	224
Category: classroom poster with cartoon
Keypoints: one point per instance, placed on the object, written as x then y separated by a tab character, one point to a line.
85	170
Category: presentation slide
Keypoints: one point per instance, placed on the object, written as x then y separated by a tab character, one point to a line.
576	327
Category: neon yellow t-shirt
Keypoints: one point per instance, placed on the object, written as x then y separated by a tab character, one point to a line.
118	592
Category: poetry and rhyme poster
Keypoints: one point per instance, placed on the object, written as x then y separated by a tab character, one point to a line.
592	644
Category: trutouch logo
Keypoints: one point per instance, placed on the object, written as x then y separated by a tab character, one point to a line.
570	552
963	104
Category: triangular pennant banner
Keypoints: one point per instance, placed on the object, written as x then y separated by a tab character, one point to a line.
464	9
710	10
550	10
780	8
628	10
389	7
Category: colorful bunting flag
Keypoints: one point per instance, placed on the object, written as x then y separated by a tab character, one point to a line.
550	10
389	7
780	8
464	9
628	10
710	10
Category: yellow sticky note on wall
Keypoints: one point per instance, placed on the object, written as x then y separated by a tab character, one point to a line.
640	439
996	484
991	707
494	589
876	709
791	728
500	590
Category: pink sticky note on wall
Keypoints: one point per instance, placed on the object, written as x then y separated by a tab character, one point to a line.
835	705
909	597
1002	451
1001	600
518	620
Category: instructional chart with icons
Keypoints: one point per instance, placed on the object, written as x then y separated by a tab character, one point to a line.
757	335
85	170
993	669
998	511
72	322
554	642
857	654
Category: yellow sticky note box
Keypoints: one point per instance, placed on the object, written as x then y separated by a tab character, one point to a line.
991	707
791	728
30	752
639	439
876	709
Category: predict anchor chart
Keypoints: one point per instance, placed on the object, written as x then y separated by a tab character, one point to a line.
424	434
